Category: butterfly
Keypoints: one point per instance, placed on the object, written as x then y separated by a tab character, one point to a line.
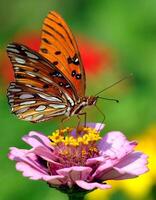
51	82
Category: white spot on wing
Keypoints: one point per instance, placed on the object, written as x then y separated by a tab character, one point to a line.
26	96
40	108
15	90
59	113
27	103
11	100
13	50
31	74
56	106
38	117
30	55
69	99
76	60
46	79
49	98
11	45
16	68
36	88
19	60
22	110
28	118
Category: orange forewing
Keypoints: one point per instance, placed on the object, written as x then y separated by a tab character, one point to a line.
59	47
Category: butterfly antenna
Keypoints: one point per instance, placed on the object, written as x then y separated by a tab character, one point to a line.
110	99
126	77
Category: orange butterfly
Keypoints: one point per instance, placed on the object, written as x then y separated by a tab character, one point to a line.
52	82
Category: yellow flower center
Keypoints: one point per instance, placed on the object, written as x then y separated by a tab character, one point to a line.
74	147
84	135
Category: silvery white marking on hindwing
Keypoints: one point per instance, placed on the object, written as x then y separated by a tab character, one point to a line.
59	113
11	45
19	60
22	110
49	98
14	89
46	79
69	99
29	118
30	55
10	95
26	96
31	74
40	108
11	100
12	83
33	87
27	103
12	86
68	111
38	117
16	68
13	50
56	106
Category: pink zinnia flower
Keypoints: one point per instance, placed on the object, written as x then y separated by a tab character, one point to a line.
79	158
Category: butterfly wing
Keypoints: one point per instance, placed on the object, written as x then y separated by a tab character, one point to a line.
31	105
59	46
40	91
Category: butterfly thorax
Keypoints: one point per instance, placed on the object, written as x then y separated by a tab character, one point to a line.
82	103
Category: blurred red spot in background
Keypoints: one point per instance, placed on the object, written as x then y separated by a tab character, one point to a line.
95	57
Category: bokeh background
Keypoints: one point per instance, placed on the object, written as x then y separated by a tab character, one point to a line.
115	38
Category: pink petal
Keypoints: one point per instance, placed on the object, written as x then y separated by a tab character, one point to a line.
90	186
103	169
97	126
95	161
75	173
44	153
30	159
55	180
115	145
36	139
29	171
130	166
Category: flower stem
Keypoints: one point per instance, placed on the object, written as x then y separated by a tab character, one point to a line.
76	196
74	193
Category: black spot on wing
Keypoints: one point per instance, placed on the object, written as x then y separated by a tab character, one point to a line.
55	63
73	60
46	41
73	73
44	50
57	52
78	76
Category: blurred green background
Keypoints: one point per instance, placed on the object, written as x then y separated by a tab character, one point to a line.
116	38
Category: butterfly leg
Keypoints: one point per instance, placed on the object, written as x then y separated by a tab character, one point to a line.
63	120
104	117
85	118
